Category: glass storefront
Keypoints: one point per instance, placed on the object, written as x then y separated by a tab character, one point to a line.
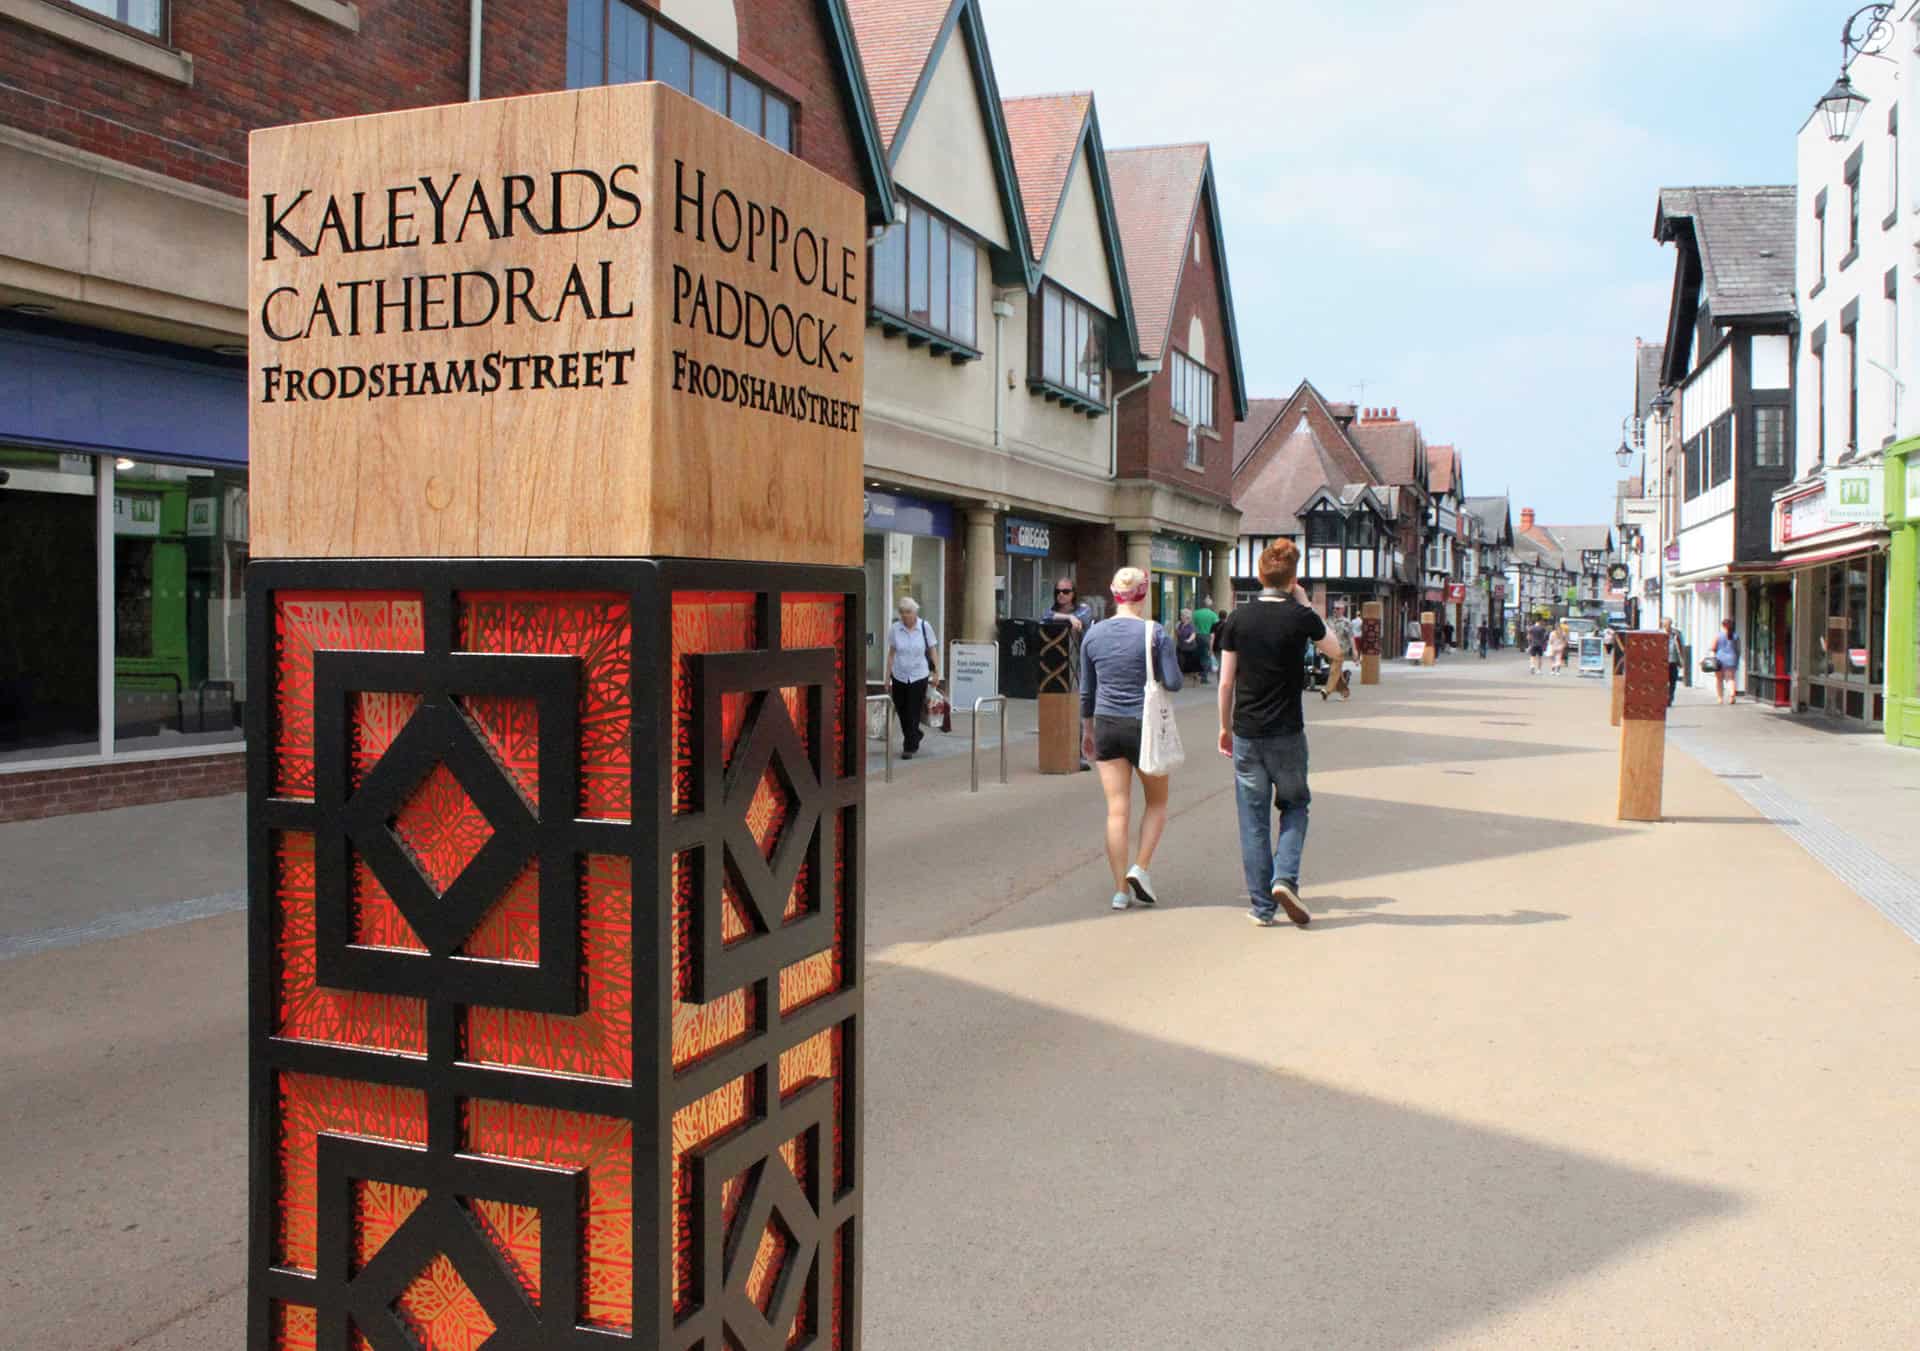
1769	643
1846	675
1177	584
1033	556
49	605
906	555
172	587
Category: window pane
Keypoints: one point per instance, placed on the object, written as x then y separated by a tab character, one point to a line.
710	82
890	271
779	122
1051	342
1097	360
1076	378
179	605
49	640
672	59
917	221
963	282
937	275
141	14
626	44
585	66
745	108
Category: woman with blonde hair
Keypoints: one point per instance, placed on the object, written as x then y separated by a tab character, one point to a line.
1113	682
1557	647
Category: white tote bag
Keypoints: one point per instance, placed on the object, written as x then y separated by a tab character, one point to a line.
1160	748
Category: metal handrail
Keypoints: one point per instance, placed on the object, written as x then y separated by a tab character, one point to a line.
979	707
886	727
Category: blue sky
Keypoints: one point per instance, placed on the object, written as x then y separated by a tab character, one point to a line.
1450	203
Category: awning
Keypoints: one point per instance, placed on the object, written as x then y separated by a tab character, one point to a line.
1851	549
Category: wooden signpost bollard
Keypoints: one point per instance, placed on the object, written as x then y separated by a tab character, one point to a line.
1643	726
1617	686
1428	624
1370	626
554	749
1059	700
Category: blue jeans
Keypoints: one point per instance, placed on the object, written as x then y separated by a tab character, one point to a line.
1269	772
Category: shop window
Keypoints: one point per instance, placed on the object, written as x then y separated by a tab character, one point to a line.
143	16
1072	348
926	276
1720	451
617	41
49	606
1770	437
1193	391
1692	454
179	604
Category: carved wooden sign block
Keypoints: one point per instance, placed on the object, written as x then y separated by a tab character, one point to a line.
601	322
1646	676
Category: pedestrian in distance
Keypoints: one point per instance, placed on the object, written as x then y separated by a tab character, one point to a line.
1480	637
912	663
1676	658
1113	682
1186	642
1536	646
1726	665
1068	606
1557	648
1264	648
1206	619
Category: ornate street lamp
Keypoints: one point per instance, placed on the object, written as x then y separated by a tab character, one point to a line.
1867	32
1629	437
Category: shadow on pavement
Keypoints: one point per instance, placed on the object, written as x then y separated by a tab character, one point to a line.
1038	1178
1358	747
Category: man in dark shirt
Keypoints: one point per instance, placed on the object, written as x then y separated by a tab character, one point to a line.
1263	670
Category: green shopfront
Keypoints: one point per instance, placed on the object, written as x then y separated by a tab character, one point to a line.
1903	594
1178	581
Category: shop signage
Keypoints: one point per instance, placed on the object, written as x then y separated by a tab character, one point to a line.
1857	656
200	518
1176	555
1456	592
1641	511
593	304
1673	553
1854	496
973	672
899	554
1416	652
136	514
1798	517
907	515
1032	539
1499	589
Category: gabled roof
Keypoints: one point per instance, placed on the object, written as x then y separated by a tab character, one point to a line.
1647	361
869	144
900	44
1495	518
1280	462
1442	463
1573	539
1536	546
1047	132
1158	192
1735	249
1391	449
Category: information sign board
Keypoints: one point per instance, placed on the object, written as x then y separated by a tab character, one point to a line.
973	672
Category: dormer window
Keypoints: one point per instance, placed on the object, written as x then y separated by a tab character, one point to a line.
926	279
1068	361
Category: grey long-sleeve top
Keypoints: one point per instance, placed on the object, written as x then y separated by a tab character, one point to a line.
1113	667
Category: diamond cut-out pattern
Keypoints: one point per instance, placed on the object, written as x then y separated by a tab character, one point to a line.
441	1310
441	828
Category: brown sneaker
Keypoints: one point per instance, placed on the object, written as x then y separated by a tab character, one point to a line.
1289	900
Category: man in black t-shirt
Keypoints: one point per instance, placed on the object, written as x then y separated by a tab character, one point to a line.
1263	670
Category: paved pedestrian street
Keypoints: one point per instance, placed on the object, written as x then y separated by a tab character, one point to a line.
1534	1078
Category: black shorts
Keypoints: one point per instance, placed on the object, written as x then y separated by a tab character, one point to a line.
1117	739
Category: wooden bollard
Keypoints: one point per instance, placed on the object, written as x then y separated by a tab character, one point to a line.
1617	696
1643	726
1370	616
1429	622
1059	700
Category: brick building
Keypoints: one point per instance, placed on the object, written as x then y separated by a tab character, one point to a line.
123	247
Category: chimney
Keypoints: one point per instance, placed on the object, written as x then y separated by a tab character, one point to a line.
1393	414
1526	518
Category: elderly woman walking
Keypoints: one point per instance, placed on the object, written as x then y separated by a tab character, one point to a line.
913	659
1113	682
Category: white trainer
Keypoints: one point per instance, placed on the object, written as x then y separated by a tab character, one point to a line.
1142	885
1121	900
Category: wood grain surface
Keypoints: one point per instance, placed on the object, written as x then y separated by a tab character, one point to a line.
594	248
